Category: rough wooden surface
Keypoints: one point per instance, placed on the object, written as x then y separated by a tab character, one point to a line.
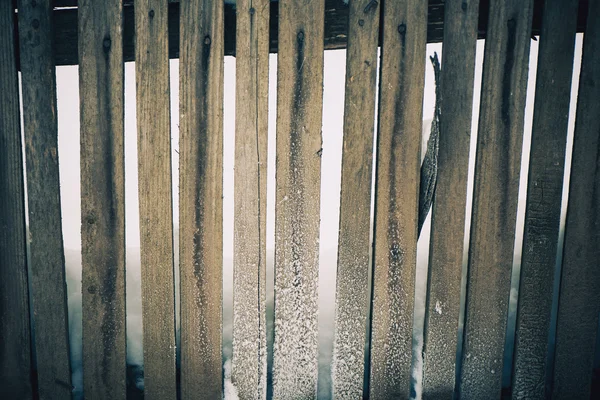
354	245
156	222
47	262
102	198
15	348
579	301
298	187
544	197
249	374
200	198
449	206
496	187
397	197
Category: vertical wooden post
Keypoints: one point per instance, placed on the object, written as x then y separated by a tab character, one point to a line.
156	212
15	348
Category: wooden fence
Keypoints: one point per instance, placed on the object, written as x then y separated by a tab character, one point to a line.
200	32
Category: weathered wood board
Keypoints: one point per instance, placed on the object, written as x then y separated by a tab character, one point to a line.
102	198
496	187
397	196
298	178
156	221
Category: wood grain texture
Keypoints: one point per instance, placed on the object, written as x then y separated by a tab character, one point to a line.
200	198
354	244
449	206
298	186
397	196
156	221
47	263
249	373
15	348
496	187
544	197
579	301
102	198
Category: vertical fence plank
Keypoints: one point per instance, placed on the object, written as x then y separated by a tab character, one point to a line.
200	194
579	301
156	223
397	196
449	206
298	178
102	198
15	349
249	373
352	292
496	186
544	197
47	261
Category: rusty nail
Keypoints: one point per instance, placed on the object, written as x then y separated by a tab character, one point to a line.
301	36
151	14
402	29
361	22
207	40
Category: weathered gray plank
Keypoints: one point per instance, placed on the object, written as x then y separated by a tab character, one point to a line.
47	261
579	301
354	246
298	177
449	206
156	223
496	185
200	198
102	198
249	373
544	197
15	349
397	196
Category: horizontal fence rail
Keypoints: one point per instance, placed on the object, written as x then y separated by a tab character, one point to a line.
386	192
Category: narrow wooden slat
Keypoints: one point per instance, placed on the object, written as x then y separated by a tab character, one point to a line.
397	196
200	198
579	301
544	197
102	198
15	348
156	223
249	373
496	186
298	179
47	263
352	292
449	206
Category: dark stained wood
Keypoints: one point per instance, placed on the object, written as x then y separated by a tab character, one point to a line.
544	197
47	263
102	198
249	373
297	196
397	196
496	187
354	245
156	222
449	206
200	198
579	301
15	348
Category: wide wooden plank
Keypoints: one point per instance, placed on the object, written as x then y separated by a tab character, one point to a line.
15	349
579	301
544	197
449	206
47	262
249	373
156	222
298	186
354	245
102	198
397	196
200	198
496	188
